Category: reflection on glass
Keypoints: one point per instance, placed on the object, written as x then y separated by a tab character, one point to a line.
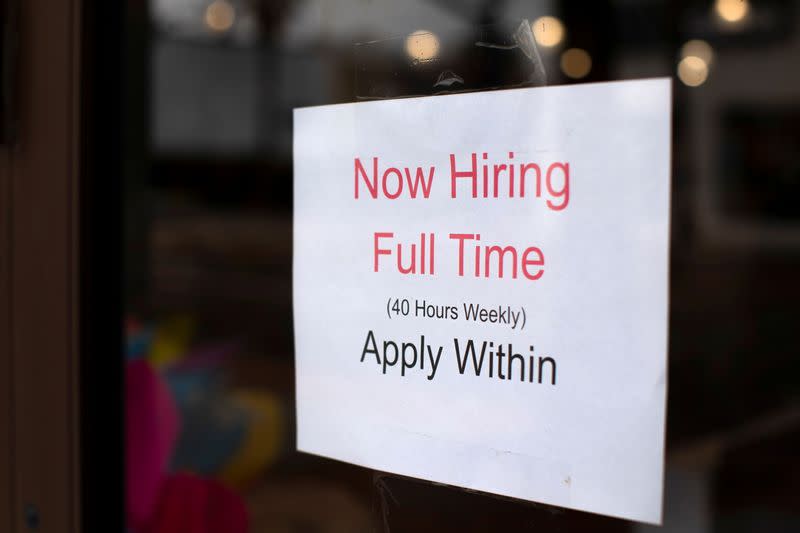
209	216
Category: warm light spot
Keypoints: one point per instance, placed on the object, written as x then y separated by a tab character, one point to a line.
692	71
698	48
220	16
576	63
548	31
422	45
732	10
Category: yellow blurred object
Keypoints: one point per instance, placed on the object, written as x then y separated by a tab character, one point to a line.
171	340
264	438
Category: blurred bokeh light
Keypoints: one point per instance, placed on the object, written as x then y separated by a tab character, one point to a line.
732	10
422	45
692	71
548	31
698	48
220	16
576	63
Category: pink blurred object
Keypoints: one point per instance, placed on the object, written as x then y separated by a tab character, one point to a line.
190	504
151	430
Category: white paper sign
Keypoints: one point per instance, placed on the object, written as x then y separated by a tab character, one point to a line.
480	290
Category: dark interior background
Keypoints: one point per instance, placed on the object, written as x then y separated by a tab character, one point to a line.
208	93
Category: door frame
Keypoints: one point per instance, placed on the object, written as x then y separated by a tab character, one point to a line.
61	439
